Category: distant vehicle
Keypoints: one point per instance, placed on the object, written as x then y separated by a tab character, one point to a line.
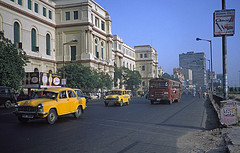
141	93
162	89
7	96
117	96
50	104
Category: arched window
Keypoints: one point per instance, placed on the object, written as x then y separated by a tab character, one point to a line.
36	70
48	44
16	33
96	48
34	39
102	47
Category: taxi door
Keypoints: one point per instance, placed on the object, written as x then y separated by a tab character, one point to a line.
63	103
82	100
73	101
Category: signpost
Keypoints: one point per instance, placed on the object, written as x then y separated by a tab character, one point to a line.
224	23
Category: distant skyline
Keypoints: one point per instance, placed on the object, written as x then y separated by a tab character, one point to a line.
171	27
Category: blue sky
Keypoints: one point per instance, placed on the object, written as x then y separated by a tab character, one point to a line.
172	26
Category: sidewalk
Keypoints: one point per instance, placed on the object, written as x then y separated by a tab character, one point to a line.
232	138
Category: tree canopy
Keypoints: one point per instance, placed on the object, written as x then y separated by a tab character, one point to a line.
130	79
85	78
12	62
167	76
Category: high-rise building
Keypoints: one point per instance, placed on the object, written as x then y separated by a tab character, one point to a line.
197	63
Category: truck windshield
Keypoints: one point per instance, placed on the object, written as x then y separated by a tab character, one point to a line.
45	94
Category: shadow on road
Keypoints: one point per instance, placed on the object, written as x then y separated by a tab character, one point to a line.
212	121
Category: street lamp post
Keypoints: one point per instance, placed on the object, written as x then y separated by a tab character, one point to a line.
239	79
211	77
72	41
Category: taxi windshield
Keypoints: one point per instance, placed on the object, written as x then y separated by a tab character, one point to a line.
45	94
114	92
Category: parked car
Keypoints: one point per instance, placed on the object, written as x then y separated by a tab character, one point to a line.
49	104
117	96
7	96
80	94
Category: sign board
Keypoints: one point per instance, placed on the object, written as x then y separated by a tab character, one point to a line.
36	80
224	23
212	75
64	81
48	80
31	80
229	113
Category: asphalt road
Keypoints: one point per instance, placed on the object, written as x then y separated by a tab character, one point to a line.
139	127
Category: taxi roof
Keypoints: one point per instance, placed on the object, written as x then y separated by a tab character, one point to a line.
118	90
57	89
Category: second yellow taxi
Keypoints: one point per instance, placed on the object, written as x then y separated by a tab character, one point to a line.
117	96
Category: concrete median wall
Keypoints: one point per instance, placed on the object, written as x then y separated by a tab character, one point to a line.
218	104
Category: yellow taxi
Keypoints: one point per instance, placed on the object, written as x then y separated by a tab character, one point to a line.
50	103
117	96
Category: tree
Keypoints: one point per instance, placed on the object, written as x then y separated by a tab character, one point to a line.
12	62
130	79
79	76
167	76
118	76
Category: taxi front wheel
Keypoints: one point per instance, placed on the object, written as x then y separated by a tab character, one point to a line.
78	112
52	116
121	103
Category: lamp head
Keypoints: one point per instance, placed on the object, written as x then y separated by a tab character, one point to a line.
198	39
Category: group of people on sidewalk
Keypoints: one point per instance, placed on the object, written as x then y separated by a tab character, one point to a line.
204	94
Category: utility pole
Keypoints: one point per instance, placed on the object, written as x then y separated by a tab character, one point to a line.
224	59
239	78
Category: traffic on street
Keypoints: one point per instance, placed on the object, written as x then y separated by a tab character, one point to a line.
138	127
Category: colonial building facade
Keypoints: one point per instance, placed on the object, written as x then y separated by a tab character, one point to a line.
30	25
90	26
146	64
56	32
123	55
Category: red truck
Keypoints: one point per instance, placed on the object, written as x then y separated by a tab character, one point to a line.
162	89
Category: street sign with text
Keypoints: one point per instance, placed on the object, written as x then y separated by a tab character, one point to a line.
224	22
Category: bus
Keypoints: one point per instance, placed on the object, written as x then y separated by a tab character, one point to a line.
162	89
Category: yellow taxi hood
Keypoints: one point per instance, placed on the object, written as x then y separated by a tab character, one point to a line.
34	102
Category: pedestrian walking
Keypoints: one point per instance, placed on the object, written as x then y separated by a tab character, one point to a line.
199	94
